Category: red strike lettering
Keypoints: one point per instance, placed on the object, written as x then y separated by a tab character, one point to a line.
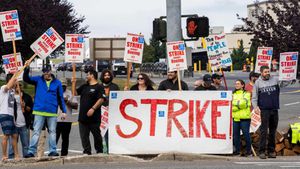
138	122
199	119
214	115
48	41
173	114
153	103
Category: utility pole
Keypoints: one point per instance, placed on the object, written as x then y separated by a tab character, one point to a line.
174	32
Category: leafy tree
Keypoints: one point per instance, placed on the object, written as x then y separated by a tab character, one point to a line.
280	31
239	56
36	16
154	51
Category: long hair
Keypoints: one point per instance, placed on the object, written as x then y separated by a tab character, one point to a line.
104	72
242	82
148	81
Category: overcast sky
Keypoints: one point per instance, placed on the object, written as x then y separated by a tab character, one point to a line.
109	18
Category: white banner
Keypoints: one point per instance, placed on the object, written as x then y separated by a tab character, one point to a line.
10	25
47	43
288	65
153	122
74	48
134	48
176	56
264	57
217	51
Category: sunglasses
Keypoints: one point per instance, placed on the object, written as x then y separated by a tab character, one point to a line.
140	78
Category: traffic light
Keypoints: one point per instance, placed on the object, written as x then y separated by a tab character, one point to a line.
159	29
197	27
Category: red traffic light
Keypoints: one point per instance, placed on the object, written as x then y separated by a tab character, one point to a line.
197	27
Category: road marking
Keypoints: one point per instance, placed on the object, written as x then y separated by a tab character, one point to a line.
74	123
289	104
269	162
72	151
295	91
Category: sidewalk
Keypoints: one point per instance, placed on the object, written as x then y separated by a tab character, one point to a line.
104	158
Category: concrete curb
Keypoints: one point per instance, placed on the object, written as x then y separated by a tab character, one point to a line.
104	158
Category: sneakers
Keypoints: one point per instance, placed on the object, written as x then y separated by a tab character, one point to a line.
272	155
53	154
262	156
29	155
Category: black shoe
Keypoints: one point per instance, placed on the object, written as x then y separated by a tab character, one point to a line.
236	154
53	154
272	155
248	154
262	156
29	155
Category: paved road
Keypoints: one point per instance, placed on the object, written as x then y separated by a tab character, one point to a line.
289	103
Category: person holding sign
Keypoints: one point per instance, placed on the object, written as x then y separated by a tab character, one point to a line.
64	126
265	100
171	83
48	95
143	83
7	111
91	98
106	79
241	114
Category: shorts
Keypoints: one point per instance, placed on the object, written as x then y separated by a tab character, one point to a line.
7	124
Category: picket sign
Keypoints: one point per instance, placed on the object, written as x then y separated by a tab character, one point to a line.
10	25
134	47
44	46
154	122
263	58
288	66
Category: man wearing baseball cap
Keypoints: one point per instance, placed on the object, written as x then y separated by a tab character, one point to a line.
207	83
48	96
217	82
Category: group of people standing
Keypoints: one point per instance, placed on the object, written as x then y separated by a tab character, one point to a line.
53	104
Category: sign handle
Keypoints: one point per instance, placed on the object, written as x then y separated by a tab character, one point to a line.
179	81
22	69
224	78
129	64
73	77
16	63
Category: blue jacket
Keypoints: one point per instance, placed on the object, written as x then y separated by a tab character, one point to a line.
46	100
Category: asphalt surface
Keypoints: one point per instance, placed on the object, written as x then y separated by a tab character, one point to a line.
289	113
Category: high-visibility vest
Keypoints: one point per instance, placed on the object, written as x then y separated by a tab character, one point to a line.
295	132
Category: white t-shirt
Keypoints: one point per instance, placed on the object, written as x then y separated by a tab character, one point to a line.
6	101
20	117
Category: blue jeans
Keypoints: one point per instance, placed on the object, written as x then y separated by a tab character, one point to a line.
37	127
23	133
243	125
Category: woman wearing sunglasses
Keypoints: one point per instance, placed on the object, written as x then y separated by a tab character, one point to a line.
143	83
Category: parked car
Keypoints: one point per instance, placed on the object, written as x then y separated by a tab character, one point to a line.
102	64
62	66
77	66
87	66
119	67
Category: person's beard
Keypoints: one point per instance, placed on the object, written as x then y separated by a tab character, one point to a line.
106	80
267	77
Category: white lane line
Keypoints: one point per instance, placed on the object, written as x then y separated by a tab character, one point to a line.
72	151
268	162
290	104
293	166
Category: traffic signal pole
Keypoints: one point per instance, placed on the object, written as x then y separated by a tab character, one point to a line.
174	32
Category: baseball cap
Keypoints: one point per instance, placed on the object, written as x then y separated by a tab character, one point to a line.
207	78
216	76
46	68
64	81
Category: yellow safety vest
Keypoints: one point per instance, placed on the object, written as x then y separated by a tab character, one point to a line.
295	132
241	105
